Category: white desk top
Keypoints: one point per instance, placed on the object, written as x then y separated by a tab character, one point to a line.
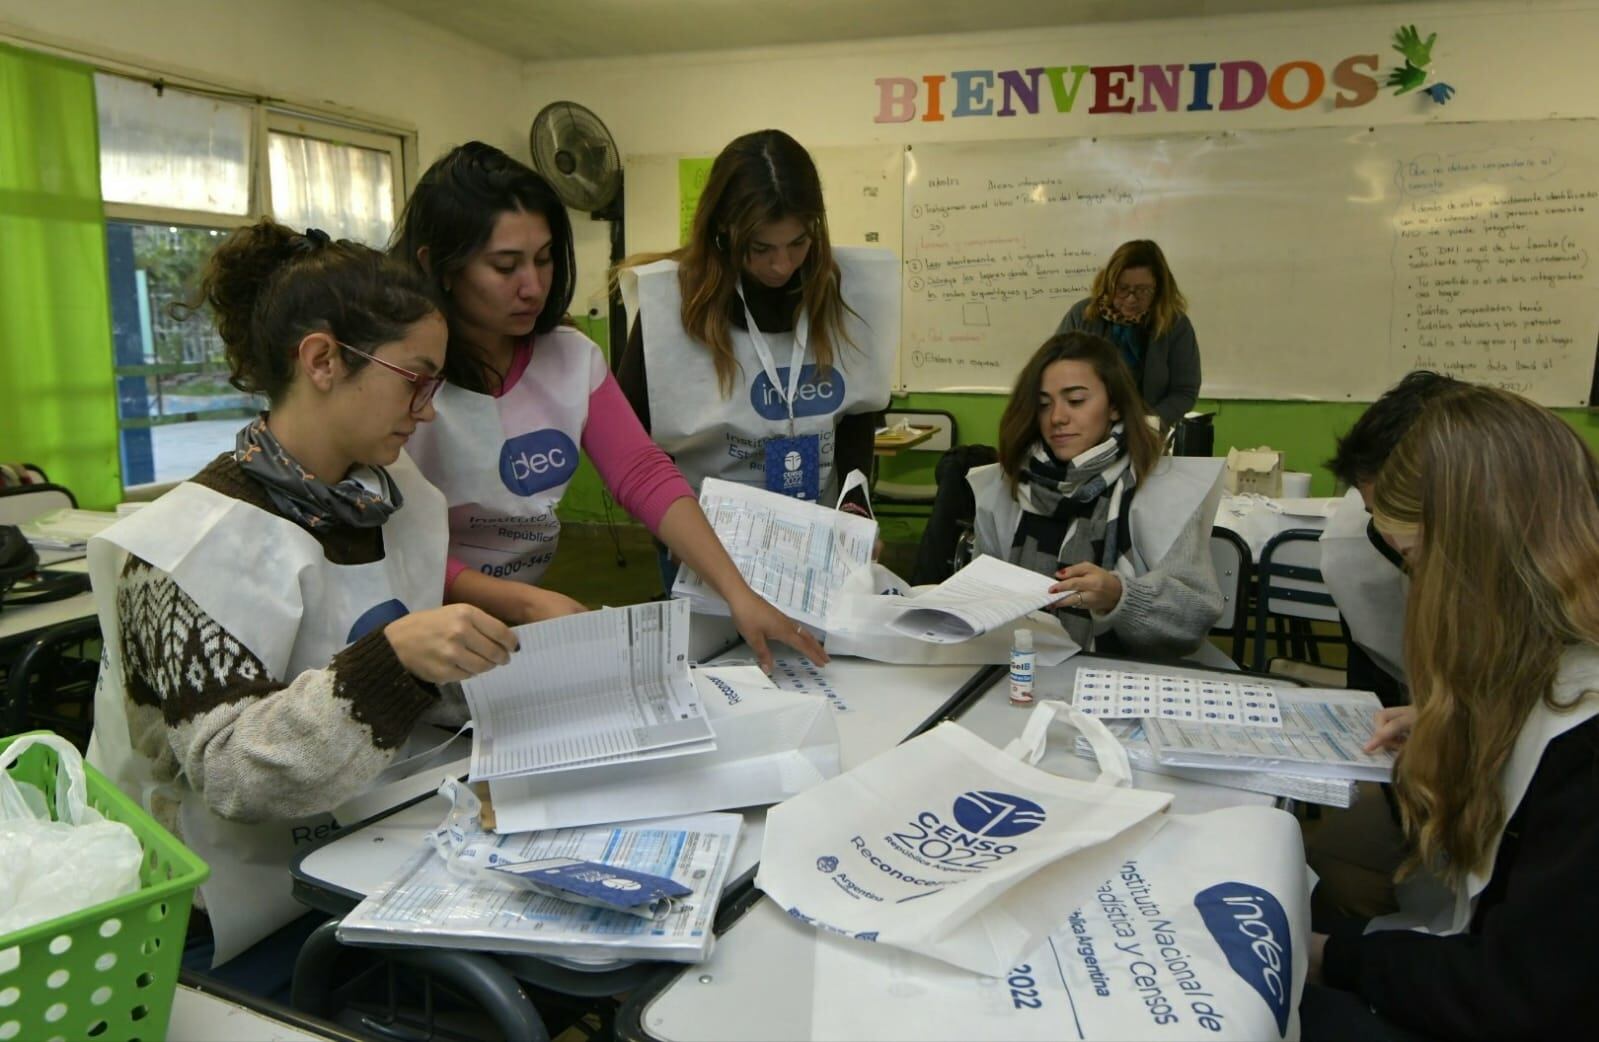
759	981
885	704
19	621
1257	520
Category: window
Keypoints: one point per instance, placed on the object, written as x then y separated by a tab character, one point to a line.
178	171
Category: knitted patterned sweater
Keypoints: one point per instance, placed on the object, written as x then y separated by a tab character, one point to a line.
259	747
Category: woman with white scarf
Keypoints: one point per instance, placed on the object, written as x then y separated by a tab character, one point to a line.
1082	493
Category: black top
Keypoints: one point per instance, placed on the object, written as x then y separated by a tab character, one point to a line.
1525	967
774	311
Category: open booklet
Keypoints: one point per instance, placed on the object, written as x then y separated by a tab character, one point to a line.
984	596
603	687
793	553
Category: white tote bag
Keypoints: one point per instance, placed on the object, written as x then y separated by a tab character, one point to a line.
1201	934
947	847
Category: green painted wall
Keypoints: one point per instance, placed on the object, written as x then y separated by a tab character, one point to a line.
1304	430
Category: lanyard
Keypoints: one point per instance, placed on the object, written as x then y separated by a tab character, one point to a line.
802	330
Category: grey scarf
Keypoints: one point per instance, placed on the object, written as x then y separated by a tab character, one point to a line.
301	497
1073	512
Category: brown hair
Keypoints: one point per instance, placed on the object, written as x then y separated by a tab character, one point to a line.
758	178
268	286
1502	494
1169	304
1018	425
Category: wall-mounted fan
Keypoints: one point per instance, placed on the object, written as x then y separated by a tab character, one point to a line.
578	157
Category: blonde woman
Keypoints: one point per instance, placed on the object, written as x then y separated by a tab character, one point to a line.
1492	500
1136	305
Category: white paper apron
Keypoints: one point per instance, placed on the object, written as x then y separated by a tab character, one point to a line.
504	463
716	437
1367	587
951	849
1426	904
264	580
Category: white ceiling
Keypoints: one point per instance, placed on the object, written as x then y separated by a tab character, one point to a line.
544	30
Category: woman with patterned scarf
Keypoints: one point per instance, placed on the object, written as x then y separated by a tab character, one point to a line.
1136	305
274	628
1082	493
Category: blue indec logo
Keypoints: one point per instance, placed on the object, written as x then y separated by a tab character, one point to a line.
1252	929
375	618
827	864
533	462
810	397
997	814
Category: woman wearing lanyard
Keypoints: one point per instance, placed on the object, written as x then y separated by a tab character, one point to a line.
761	353
1492	501
524	391
274	627
1082	493
1136	305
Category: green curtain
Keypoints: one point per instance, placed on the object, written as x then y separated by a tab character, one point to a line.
58	405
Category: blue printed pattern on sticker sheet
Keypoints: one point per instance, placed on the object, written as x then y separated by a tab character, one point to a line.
1252	929
794	467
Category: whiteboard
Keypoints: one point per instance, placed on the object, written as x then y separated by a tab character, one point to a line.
1318	263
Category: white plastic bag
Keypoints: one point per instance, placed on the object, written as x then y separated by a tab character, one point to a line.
947	847
54	865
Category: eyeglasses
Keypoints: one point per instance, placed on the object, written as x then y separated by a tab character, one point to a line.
1134	292
423	387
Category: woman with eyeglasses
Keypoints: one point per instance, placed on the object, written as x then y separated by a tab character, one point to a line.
275	627
1136	305
524	391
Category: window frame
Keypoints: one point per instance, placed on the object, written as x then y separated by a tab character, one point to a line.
266	116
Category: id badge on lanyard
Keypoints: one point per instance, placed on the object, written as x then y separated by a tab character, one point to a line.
793	463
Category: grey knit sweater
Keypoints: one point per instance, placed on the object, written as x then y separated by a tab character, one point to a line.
1168	606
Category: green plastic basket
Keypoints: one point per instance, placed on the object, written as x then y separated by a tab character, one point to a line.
110	971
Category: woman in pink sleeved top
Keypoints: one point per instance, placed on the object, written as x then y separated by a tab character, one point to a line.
524	392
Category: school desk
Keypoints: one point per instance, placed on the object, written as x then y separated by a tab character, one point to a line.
758	982
884	704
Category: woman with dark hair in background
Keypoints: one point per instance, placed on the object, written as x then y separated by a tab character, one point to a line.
525	391
1136	305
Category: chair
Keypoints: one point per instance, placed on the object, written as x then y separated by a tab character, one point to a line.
1291	588
26	502
1230	554
919	494
51	684
948	532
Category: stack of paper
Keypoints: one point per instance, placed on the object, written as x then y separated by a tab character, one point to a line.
603	687
1323	734
793	553
66	529
425	904
1333	792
